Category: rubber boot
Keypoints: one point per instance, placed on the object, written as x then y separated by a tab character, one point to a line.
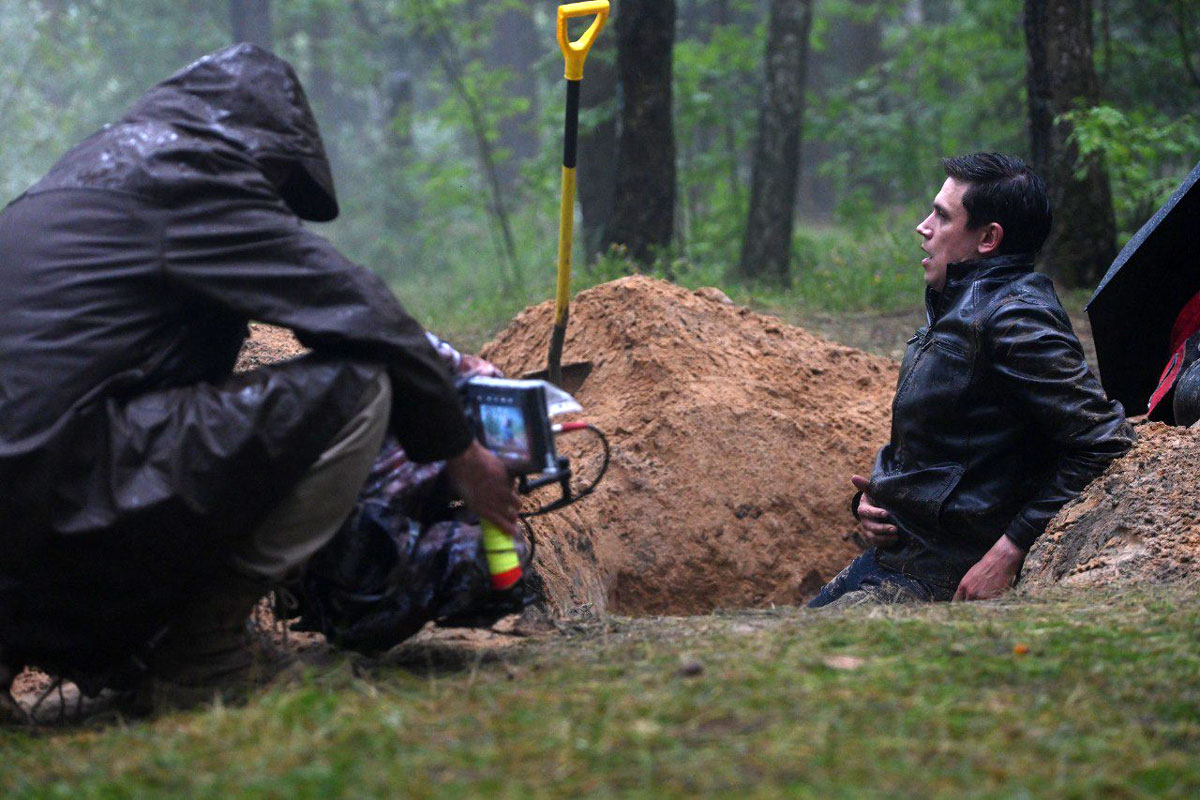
210	652
10	709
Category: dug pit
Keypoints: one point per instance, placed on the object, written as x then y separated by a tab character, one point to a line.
734	436
733	439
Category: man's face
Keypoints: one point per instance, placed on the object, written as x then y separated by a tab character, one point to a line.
947	238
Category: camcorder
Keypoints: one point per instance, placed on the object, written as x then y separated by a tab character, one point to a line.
512	418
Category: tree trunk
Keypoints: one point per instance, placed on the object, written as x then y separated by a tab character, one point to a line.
598	142
767	247
1061	76
251	20
644	206
446	49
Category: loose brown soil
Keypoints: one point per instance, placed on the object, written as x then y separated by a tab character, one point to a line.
734	437
1137	523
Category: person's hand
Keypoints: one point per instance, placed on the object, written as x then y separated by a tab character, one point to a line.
483	482
994	574
478	367
874	521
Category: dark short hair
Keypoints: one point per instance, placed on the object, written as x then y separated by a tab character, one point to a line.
1003	189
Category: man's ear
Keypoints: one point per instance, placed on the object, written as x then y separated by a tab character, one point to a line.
990	238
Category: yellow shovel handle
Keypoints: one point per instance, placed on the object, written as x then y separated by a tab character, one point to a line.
575	52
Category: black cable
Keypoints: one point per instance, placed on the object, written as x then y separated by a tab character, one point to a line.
584	492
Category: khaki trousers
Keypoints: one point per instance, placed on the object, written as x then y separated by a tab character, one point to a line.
312	513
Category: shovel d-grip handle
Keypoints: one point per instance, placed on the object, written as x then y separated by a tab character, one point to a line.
575	52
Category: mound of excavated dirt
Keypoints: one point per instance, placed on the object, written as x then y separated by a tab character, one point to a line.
733	434
1137	523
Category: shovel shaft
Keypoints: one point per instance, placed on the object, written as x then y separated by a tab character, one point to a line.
554	362
566	209
574	54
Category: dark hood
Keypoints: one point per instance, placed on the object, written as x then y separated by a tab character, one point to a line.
253	100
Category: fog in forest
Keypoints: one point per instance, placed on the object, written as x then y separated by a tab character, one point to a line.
760	142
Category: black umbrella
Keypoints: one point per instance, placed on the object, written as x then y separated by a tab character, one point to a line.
1146	287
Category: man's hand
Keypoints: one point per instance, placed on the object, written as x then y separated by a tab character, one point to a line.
874	521
484	484
994	574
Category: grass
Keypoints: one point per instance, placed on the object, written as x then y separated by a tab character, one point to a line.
1073	696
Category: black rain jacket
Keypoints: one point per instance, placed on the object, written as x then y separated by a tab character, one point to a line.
130	457
997	422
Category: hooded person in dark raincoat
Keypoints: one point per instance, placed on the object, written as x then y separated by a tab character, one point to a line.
133	464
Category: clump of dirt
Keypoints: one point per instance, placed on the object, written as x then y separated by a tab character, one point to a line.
733	439
1138	523
267	345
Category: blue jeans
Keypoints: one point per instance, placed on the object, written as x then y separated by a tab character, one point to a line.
866	574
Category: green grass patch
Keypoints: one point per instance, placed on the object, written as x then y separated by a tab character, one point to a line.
1073	696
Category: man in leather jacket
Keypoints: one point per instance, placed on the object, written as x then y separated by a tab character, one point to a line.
997	420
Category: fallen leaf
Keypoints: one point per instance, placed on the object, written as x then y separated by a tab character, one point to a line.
844	662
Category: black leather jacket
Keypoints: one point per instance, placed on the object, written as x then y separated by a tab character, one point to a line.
996	424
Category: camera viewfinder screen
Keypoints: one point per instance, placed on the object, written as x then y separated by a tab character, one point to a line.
504	428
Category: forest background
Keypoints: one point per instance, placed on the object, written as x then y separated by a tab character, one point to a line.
443	121
781	149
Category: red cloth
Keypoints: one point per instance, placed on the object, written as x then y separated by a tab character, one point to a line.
1187	323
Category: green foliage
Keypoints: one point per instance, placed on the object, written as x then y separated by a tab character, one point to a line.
1140	55
714	117
873	267
68	65
841	271
943	85
1146	156
414	168
1092	694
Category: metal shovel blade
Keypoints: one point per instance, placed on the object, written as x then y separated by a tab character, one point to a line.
573	375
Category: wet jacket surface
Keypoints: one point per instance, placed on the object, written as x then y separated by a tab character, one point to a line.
997	421
130	458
